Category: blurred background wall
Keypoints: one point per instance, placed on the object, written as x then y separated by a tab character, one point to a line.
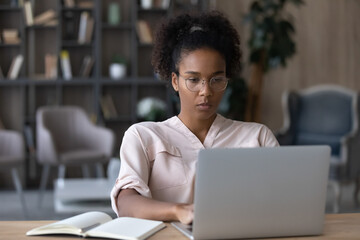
328	50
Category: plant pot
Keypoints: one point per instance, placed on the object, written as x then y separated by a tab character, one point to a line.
117	71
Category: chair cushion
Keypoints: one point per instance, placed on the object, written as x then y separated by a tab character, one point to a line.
333	141
82	156
10	161
328	113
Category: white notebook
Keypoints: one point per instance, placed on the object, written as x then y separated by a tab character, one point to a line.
99	224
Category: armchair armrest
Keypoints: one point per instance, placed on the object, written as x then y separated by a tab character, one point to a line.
101	139
350	154
12	144
46	151
284	136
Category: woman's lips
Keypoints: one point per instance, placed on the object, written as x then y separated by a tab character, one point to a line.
204	106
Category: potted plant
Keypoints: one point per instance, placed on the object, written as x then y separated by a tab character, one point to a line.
151	109
117	68
271	45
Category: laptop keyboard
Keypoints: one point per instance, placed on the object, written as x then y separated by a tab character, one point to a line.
188	227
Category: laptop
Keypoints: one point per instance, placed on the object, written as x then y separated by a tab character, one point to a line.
259	192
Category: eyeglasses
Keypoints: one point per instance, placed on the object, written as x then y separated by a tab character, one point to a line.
195	84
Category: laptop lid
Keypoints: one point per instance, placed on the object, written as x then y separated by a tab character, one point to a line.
260	192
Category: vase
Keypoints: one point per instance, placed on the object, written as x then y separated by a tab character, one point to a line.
146	4
114	17
117	71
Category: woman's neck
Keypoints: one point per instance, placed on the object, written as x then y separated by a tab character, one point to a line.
199	127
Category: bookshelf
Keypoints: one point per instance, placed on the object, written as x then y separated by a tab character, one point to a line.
111	36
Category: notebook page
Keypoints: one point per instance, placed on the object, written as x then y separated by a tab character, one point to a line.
73	225
127	228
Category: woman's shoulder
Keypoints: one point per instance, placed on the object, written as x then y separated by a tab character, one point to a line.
245	131
237	124
149	126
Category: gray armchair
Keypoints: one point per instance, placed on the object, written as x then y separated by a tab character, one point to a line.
12	156
65	136
326	114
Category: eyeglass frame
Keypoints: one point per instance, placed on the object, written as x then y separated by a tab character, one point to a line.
203	82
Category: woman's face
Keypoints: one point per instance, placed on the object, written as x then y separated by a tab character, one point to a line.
204	64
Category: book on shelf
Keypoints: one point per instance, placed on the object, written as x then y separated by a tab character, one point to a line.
51	70
89	30
108	107
20	3
85	3
101	225
163	4
10	36
69	3
1	73
15	67
144	32
30	146
53	22
29	138
65	64
45	17
86	66
28	13
86	28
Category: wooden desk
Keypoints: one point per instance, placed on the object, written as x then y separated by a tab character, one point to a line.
337	226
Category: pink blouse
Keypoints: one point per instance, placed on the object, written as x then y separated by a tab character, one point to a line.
158	159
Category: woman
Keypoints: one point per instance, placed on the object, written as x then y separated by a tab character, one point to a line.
156	181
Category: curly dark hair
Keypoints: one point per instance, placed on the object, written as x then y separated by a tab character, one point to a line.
186	33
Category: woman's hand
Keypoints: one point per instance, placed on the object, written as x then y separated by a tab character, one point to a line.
185	213
130	203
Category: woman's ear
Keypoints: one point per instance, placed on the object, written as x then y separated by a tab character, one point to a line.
174	81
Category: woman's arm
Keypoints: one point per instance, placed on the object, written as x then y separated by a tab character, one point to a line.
130	203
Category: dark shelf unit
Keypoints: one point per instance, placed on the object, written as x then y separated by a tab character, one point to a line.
20	98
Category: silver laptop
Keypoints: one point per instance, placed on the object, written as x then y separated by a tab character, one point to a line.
259	192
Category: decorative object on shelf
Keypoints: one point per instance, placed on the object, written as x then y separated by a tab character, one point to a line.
65	64
117	69
114	17
270	45
151	109
146	4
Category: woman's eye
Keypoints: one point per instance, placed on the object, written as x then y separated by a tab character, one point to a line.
217	80
193	80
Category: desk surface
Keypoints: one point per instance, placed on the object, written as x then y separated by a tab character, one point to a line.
337	226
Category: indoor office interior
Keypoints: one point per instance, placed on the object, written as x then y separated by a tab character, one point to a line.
75	74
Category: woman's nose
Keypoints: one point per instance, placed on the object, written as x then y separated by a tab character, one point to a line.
205	89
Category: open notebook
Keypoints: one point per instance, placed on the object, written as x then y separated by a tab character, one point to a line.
99	224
